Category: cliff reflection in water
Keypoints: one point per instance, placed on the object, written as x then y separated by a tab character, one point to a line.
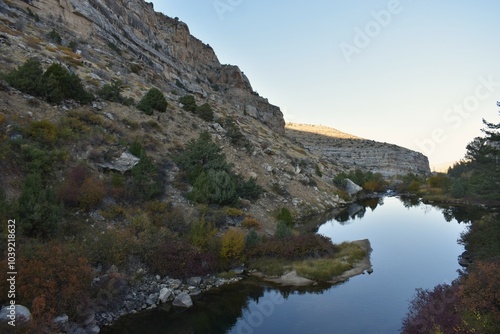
357	210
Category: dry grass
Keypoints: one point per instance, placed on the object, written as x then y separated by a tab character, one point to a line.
321	269
351	252
271	266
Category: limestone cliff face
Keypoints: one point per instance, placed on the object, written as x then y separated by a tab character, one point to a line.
350	152
171	57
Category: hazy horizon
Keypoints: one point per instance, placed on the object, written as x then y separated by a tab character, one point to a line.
417	74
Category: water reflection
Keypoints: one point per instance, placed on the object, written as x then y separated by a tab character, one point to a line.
462	214
226	309
414	245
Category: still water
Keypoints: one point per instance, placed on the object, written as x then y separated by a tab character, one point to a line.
414	246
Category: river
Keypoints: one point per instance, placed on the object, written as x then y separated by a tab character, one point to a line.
414	246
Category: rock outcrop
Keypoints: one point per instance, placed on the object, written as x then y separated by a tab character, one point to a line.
350	152
123	164
133	35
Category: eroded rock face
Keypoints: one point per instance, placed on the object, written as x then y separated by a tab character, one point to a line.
164	45
350	152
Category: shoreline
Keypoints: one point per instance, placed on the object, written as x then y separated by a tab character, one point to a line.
290	279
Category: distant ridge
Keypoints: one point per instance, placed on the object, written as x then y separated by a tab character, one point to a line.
349	152
320	130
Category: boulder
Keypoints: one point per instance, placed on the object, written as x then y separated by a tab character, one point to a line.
194	281
61	320
218	129
183	300
22	313
123	164
352	188
151	299
165	293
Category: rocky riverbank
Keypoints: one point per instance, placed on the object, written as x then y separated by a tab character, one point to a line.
117	298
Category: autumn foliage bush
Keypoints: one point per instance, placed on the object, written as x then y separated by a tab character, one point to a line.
54	280
469	305
295	247
81	189
480	296
177	258
233	245
91	193
251	223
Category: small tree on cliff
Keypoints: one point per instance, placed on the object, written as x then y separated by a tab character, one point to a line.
153	100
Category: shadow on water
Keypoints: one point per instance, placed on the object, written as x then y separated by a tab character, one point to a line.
214	312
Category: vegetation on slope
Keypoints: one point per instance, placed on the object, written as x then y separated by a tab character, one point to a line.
131	222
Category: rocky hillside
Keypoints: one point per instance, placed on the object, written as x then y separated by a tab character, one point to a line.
349	152
110	191
105	41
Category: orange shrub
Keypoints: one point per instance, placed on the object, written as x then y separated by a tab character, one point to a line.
69	192
92	193
250	222
53	280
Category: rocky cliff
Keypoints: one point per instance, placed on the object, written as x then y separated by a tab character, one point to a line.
104	41
127	40
351	152
127	37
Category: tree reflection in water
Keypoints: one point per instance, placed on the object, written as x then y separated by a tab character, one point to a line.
214	312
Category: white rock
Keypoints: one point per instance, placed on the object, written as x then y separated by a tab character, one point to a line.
183	300
352	188
21	313
62	319
124	163
164	295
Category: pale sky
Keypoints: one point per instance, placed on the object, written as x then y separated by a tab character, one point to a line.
416	73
